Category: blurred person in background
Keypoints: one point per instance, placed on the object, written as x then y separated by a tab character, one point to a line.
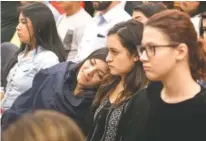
108	14
43	125
71	26
143	12
194	9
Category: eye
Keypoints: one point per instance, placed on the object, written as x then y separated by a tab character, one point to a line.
150	47
114	52
23	21
91	62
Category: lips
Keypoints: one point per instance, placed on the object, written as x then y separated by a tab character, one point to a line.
110	66
146	67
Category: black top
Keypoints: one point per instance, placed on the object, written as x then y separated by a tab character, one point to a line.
182	121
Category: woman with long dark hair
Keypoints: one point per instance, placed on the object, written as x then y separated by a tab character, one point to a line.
127	79
41	48
66	87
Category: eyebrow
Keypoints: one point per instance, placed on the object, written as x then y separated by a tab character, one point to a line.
22	19
99	69
149	43
138	17
112	48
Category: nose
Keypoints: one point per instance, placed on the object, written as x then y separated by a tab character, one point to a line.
108	58
143	57
18	27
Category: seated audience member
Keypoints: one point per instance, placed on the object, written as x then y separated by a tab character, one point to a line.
174	56
127	78
43	125
71	26
143	12
66	87
108	14
41	48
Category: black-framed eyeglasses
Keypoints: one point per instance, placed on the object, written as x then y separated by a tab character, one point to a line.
151	49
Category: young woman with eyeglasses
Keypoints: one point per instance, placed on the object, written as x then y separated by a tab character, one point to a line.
172	54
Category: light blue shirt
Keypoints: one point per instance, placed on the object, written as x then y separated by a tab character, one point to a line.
95	34
21	75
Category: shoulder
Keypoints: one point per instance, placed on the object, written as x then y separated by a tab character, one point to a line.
47	53
45	59
60	68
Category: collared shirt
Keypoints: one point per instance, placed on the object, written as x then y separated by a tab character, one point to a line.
96	31
21	75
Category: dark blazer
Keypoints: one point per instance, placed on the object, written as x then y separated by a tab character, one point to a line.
53	89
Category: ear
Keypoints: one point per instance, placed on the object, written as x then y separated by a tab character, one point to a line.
136	58
181	51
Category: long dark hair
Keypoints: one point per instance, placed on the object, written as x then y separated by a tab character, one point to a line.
130	35
45	32
98	54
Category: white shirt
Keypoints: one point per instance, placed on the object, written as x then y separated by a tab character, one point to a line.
96	31
71	30
196	22
21	75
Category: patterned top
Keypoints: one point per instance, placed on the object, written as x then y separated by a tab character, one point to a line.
112	118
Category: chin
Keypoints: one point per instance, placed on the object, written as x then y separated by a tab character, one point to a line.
113	72
152	77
